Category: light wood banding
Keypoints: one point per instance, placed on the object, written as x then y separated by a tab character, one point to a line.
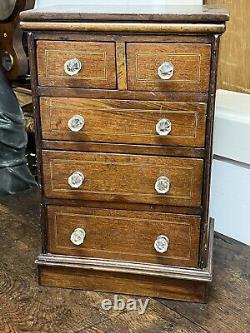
124	121
98	64
121	65
191	66
123	178
124	235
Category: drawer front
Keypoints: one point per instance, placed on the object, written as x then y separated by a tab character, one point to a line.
124	235
76	64
123	178
118	121
168	67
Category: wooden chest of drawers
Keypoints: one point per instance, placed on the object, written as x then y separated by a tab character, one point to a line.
124	104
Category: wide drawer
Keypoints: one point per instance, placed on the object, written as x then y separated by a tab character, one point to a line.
123	121
123	178
124	235
76	64
168	66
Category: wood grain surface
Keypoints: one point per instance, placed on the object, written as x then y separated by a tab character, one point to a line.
123	178
234	60
129	11
124	235
97	59
191	66
124	60
127	27
121	65
26	307
148	286
123	121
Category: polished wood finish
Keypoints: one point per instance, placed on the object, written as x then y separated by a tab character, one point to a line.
122	94
173	28
124	121
139	268
26	306
120	155
98	64
120	205
129	17
124	38
191	66
121	66
129	11
108	235
124	178
124	283
124	148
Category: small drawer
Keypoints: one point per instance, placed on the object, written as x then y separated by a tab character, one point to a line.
168	67
157	238
123	178
121	121
76	64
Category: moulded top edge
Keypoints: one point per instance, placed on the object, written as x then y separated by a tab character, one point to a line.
128	11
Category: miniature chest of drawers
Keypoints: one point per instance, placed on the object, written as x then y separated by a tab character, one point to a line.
124	104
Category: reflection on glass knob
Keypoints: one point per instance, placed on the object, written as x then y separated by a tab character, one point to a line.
7	61
166	70
162	185
72	66
77	237
76	123
163	127
161	244
76	179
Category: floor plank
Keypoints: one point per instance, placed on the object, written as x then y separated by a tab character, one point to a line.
228	308
26	307
156	319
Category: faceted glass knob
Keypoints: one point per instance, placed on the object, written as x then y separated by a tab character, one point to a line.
76	179
162	185
76	123
161	244
163	127
77	237
166	71
72	66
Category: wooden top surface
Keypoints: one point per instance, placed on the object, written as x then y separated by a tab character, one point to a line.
157	11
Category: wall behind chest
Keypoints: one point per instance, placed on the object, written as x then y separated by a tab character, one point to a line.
234	63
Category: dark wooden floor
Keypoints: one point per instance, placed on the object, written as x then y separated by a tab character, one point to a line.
26	307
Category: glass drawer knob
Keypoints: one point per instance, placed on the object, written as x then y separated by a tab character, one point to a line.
77	237
76	123
163	127
76	179
166	71
162	185
72	66
161	244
